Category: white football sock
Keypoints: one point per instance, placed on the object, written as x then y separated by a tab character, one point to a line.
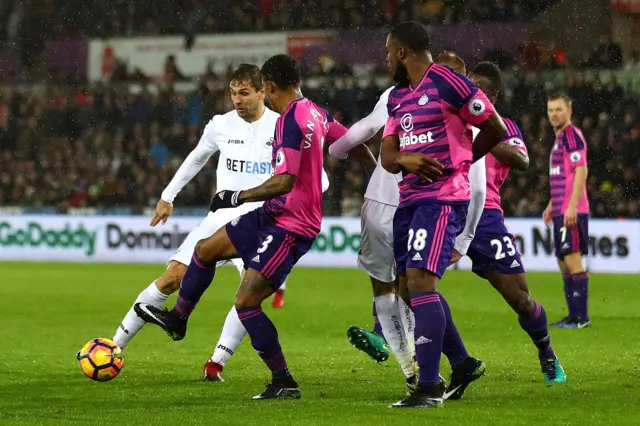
408	320
232	334
132	323
283	287
390	318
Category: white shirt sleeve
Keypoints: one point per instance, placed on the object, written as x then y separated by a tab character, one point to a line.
478	182
363	130
194	162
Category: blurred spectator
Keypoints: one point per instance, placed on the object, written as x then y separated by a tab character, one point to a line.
606	53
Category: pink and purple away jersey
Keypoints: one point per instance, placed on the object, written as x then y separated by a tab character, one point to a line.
432	119
496	171
569	151
298	148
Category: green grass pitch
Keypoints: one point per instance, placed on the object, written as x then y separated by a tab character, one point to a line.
51	310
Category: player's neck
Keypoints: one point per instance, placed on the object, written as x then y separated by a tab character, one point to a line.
285	99
416	70
560	129
258	115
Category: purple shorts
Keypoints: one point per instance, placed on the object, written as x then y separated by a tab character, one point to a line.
571	240
492	248
424	235
265	247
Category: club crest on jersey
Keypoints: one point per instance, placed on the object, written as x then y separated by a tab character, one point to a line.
575	157
516	142
424	99
407	122
477	107
280	158
269	142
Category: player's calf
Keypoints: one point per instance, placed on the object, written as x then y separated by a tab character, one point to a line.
255	288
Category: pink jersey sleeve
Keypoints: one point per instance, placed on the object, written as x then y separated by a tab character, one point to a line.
477	109
335	130
390	127
514	135
289	140
464	97
575	145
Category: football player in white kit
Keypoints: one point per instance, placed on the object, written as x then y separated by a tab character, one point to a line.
376	256
244	138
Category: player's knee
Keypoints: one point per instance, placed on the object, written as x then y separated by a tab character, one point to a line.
380	288
523	303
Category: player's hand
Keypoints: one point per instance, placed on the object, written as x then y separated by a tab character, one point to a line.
570	217
547	217
455	257
163	211
225	200
429	169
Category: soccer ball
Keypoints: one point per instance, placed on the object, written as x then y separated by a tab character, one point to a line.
101	359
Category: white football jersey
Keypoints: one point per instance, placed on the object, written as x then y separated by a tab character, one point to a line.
383	186
246	151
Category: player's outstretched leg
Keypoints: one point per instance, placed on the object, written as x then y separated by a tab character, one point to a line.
532	318
465	369
195	282
255	288
155	294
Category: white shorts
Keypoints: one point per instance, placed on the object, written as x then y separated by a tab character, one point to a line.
376	241
207	228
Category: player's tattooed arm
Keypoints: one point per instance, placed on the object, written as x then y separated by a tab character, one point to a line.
395	161
276	186
511	156
492	130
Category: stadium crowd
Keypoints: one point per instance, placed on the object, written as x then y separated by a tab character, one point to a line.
106	147
56	19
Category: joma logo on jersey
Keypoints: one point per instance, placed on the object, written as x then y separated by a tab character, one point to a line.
408	139
554	171
236	141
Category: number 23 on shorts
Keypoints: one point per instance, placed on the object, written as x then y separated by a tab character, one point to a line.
500	247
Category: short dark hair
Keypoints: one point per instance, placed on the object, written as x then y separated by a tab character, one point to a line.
248	73
411	34
554	96
490	71
283	70
451	60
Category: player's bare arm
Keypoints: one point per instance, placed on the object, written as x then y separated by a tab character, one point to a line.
363	155
395	161
579	182
274	187
511	156
492	130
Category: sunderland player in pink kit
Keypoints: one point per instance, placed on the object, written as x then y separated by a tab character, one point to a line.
272	238
492	250
568	209
427	139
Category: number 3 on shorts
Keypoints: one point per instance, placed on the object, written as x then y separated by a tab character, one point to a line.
265	244
420	240
511	250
